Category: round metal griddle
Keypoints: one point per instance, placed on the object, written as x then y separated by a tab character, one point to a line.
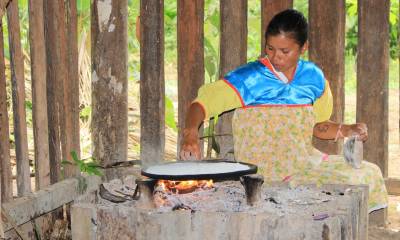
199	170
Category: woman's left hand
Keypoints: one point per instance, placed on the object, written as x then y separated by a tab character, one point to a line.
359	130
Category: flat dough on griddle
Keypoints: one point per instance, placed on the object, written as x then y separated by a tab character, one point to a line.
196	168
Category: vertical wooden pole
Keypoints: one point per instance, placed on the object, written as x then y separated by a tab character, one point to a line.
270	8
5	164
233	53
18	93
152	86
327	43
39	100
66	113
56	75
109	81
372	78
73	75
190	56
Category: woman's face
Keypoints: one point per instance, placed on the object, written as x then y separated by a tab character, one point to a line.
284	53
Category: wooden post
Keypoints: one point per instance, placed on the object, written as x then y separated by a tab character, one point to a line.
190	56
270	8
5	164
54	88
372	78
152	86
233	53
3	5
73	76
18	93
39	100
327	43
66	75
109	81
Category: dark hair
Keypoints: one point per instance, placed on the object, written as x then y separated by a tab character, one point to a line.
290	22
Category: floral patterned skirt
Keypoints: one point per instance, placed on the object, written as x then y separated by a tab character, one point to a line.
279	141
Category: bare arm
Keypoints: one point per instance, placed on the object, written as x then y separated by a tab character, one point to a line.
190	147
331	130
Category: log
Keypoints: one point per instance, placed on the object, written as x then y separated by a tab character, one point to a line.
233	53
152	86
23	209
18	97
109	81
327	44
372	79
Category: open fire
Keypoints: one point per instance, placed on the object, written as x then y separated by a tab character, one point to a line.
182	187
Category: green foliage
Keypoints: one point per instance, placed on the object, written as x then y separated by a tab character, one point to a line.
170	113
85	113
211	40
352	28
86	165
254	30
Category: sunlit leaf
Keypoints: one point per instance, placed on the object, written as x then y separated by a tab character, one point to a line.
169	113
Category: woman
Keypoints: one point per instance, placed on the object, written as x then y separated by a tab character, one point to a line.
280	101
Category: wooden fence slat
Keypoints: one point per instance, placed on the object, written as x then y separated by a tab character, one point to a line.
54	89
3	4
233	53
63	72
270	8
39	100
372	78
73	72
5	164
327	43
109	80
152	86
18	93
190	56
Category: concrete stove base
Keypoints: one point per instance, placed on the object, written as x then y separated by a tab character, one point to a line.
344	216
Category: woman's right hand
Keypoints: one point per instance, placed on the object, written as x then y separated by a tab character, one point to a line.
190	148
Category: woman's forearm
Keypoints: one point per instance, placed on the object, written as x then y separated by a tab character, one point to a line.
194	117
331	130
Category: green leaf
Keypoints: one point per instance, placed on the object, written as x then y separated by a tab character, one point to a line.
85	113
97	172
170	13
65	162
83	5
215	145
210	66
74	156
170	113
28	104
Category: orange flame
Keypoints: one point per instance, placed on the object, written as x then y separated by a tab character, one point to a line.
184	186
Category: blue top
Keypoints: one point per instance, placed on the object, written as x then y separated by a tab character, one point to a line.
258	85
